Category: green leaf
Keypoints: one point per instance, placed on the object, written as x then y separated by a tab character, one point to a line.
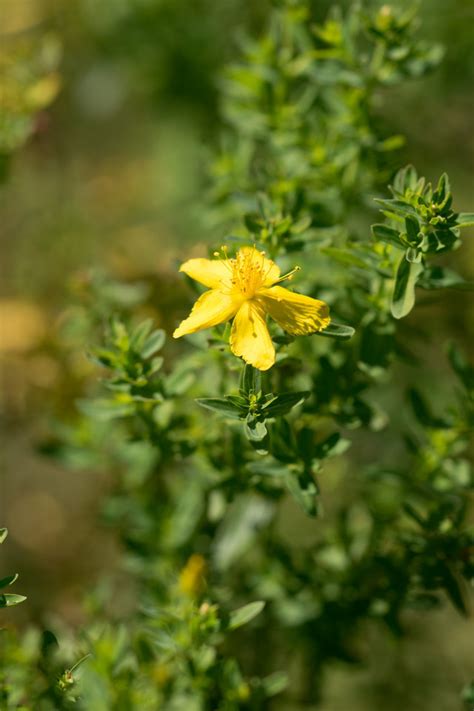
104	358
392	143
9	580
245	614
443	278
223	406
185	515
255	431
179	381
405	178
8	599
253	223
153	343
461	366
139	335
250	380
388	235
331	446
468	693
49	645
441	240
155	365
397	208
403	298
274	683
301	225
345	256
337	330
442	190
238	401
104	410
283	403
304	489
423	412
119	335
412	227
454	589
465	219
3	534
266	468
246	516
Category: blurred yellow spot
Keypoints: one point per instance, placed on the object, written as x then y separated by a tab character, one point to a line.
243	692
191	578
22	325
43	91
161	674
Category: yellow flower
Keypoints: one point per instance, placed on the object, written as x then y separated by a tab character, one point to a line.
245	288
192	577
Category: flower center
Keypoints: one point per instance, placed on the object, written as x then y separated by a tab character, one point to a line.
248	272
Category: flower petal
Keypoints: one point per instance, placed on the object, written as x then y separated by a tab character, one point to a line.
210	272
253	257
211	308
250	338
295	313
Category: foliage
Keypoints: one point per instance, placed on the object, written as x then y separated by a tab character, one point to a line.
430	226
204	456
8	599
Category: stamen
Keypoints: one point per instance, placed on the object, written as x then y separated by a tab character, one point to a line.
222	254
289	276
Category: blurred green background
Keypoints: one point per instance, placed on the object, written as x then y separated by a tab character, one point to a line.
111	179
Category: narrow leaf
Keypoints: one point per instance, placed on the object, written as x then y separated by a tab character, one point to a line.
250	379
412	227
245	614
140	333
9	580
153	343
443	278
331	446
442	190
403	298
387	234
455	590
222	406
461	366
345	256
465	219
337	330
104	410
275	683
8	599
423	412
397	207
283	403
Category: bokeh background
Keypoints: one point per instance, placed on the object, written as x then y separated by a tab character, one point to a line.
110	182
